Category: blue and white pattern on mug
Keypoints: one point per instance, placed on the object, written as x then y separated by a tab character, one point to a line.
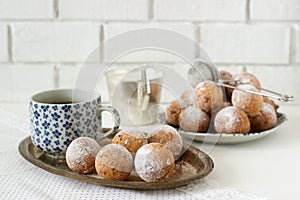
65	122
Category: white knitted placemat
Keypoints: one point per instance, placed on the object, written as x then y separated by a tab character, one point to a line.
20	179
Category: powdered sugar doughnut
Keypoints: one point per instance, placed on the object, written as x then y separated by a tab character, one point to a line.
247	78
132	140
173	111
251	103
232	120
167	136
225	75
271	102
194	119
265	119
114	162
208	97
81	154
153	162
188	97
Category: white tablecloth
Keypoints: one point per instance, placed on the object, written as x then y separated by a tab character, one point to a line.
20	179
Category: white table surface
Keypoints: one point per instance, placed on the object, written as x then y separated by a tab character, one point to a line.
267	167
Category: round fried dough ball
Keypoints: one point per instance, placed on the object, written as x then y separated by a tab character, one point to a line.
208	96
81	154
153	162
232	120
271	102
225	75
188	97
251	103
167	136
248	78
132	140
173	111
114	162
194	119
265	119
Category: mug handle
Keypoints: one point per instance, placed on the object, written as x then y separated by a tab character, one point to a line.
115	115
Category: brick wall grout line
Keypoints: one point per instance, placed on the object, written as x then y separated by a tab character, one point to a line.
247	11
151	10
263	22
9	44
101	40
56	9
56	77
292	49
254	64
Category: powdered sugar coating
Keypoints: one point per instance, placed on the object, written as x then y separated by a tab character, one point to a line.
153	162
168	136
271	102
81	154
194	119
132	132
248	78
131	139
188	97
251	103
173	111
265	119
115	156
225	75
208	97
232	120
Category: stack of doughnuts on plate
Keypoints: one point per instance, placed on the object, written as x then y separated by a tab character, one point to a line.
152	156
210	107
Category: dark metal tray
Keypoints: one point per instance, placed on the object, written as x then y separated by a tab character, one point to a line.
193	164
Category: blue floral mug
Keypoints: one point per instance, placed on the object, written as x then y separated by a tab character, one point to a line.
57	117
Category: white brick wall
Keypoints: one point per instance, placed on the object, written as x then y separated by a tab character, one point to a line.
282	79
67	74
112	29
6	83
246	43
275	9
19	82
28	9
104	9
200	10
3	43
47	42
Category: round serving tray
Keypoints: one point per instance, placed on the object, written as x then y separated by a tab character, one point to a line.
192	164
224	138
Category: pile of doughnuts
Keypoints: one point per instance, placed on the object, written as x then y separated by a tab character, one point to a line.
152	156
212	108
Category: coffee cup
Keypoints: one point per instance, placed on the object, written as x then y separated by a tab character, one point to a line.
57	117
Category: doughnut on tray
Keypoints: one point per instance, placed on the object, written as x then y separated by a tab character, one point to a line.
192	164
224	138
